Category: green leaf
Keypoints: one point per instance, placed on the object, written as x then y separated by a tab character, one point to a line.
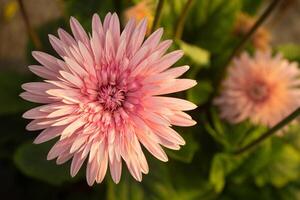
170	14
153	186
283	167
187	152
217	173
31	160
218	125
232	136
222	165
290	51
210	23
290	192
251	6
248	191
292	136
10	102
215	127
253	132
197	55
274	162
254	162
162	184
127	189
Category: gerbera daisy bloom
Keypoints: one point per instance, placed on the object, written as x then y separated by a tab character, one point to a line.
264	89
103	98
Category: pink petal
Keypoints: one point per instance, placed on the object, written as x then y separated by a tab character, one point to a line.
97	25
115	170
38	88
168	134
36	98
103	168
176	85
75	67
106	21
66	37
78	32
77	82
48	134
153	147
138	35
92	171
43	72
64	157
169	74
76	164
89	66
57	45
46	60
35	113
70	129
168	60
64	110
175	103
181	119
35	125
153	40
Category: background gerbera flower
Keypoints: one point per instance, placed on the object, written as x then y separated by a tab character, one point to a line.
141	10
264	89
103	98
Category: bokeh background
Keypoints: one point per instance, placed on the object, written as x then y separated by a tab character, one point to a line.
202	169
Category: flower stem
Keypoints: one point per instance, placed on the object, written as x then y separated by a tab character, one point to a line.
158	13
270	132
31	32
181	20
245	39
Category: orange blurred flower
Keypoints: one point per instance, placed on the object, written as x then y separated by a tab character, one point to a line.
261	38
143	9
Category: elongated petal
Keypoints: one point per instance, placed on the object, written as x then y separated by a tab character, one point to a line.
48	134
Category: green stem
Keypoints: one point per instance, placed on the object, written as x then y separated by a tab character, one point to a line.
31	32
270	132
158	13
181	20
245	39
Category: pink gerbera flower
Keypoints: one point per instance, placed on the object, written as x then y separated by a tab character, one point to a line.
103	98
264	89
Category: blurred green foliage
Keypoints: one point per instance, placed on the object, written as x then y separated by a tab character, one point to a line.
10	84
290	51
30	159
203	169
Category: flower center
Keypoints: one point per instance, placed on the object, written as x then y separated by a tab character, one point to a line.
259	91
111	97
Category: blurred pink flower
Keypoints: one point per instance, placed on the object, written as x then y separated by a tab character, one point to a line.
264	89
103	98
